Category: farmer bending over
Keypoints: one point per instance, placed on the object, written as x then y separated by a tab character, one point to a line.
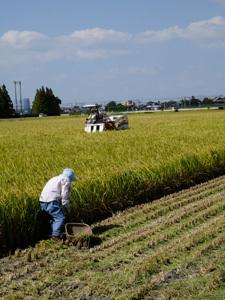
54	197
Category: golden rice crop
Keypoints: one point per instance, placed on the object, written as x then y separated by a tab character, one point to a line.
158	154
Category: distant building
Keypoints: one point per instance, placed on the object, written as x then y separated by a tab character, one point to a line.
129	104
151	105
26	106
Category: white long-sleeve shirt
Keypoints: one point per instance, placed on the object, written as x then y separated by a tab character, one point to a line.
57	188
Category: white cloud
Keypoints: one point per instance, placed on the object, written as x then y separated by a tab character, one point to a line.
212	30
89	44
22	39
96	35
17	47
159	35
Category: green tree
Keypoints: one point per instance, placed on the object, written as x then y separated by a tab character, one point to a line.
46	102
120	107
194	101
207	101
111	106
6	105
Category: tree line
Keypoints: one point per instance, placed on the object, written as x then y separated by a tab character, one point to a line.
192	102
47	103
44	102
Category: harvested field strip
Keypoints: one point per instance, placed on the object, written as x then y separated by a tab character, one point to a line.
154	263
187	288
149	255
133	216
196	264
134	256
144	222
201	267
166	220
189	240
145	244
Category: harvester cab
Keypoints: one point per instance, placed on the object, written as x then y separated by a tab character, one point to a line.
99	121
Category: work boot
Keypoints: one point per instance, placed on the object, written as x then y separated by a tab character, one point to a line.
56	239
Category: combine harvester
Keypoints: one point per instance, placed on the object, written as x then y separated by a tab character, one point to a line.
100	121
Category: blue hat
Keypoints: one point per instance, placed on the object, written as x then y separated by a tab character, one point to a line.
70	174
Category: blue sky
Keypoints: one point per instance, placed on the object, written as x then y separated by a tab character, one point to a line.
92	51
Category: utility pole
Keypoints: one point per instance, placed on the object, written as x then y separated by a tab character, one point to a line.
21	105
15	95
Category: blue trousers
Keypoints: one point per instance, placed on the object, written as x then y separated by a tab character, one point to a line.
57	218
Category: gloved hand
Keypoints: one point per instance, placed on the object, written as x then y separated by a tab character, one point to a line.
65	208
65	203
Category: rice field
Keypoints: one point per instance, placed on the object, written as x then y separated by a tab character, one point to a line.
171	248
159	154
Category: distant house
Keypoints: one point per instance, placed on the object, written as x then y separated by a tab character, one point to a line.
129	104
153	106
219	100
